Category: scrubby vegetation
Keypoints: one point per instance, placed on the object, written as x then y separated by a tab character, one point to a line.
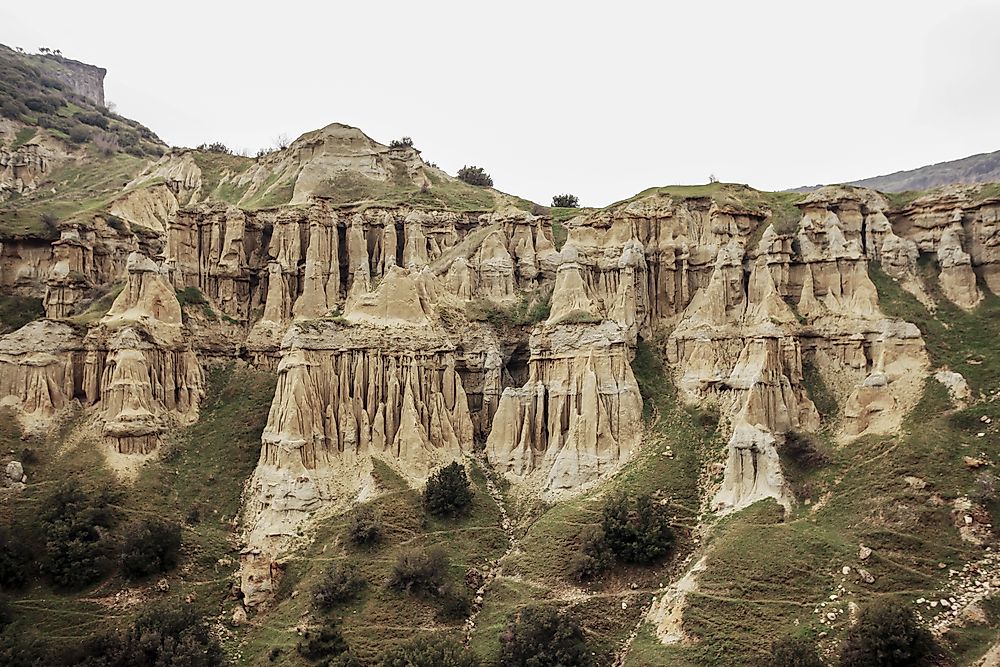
419	570
887	634
448	491
429	652
404	142
793	652
76	523
364	527
341	583
31	92
543	637
475	176
151	546
637	530
565	201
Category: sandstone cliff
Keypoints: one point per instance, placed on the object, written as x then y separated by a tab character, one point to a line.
416	333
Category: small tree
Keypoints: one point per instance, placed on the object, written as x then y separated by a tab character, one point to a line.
419	570
793	652
364	527
165	635
79	134
341	583
323	644
637	531
281	142
77	546
886	634
215	147
566	201
475	176
405	142
593	556
15	560
543	637
448	492
712	178
150	546
429	652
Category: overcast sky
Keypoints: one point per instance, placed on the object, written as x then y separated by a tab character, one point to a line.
598	99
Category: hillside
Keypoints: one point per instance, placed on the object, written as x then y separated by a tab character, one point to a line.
331	405
975	169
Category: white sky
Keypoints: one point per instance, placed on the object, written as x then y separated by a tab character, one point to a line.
598	99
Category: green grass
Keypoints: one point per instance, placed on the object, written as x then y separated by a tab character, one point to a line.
354	190
539	570
531	308
82	189
383	617
559	234
965	342
16	311
204	466
23	136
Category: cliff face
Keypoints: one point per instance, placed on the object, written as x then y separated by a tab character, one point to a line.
85	80
415	335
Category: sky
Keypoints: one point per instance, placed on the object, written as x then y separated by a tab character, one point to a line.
598	99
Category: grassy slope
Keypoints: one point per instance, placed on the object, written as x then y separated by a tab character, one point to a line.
205	467
382	617
767	573
81	188
16	311
538	570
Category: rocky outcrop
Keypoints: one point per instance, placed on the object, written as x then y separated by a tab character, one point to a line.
41	368
577	418
140	371
85	80
960	228
381	382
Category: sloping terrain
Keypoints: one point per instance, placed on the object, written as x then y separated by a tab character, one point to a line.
280	358
981	168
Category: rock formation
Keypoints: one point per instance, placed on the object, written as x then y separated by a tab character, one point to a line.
400	332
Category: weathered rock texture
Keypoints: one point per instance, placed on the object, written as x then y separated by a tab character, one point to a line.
366	310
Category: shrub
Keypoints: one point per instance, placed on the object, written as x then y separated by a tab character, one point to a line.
793	652
341	583
475	176
364	527
106	143
77	547
78	134
50	223
216	147
405	142
456	603
637	531
448	491
15	560
802	449
95	119
886	634
43	105
150	546
566	201
543	637
429	652
593	556
419	570
323	643
162	636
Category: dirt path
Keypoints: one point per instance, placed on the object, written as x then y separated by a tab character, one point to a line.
496	566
